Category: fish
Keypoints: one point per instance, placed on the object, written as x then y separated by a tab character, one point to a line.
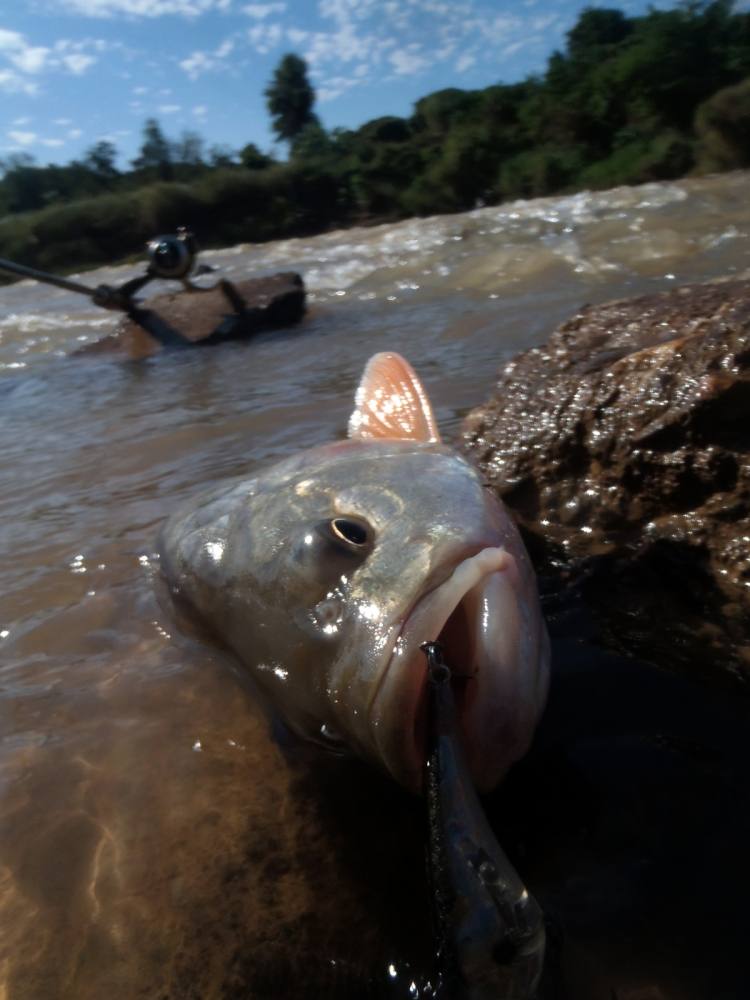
325	572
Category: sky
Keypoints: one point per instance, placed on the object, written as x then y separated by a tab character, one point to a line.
73	72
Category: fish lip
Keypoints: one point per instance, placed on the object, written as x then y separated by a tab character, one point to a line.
403	684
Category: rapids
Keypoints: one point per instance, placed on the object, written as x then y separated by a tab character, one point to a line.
154	840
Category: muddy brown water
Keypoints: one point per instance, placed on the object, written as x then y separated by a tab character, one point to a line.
156	841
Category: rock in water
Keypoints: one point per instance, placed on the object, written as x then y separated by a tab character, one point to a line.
622	447
226	311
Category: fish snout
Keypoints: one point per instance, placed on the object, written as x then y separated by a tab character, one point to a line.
494	639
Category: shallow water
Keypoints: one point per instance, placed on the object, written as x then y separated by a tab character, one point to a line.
154	840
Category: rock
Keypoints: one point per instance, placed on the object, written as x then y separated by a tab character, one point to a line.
622	446
227	311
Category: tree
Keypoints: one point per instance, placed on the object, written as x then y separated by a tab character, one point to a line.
290	98
596	28
100	160
312	143
722	124
253	158
441	110
221	155
156	151
188	150
22	183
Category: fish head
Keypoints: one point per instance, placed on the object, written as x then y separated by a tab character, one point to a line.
326	572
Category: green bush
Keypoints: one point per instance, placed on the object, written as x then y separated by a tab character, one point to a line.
16	241
649	158
162	207
722	127
539	172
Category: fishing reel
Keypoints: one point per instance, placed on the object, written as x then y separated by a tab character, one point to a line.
172	257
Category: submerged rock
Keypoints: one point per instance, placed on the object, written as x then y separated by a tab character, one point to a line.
226	311
622	447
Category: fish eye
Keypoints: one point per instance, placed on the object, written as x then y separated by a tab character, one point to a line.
351	533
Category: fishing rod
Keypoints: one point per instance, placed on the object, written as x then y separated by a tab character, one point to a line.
170	258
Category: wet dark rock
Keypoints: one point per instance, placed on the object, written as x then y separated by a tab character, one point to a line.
622	447
226	311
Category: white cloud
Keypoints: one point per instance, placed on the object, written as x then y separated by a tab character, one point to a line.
30	59
78	63
510	50
359	38
344	44
59	121
21	121
197	63
10	41
264	37
75	133
26	60
22	138
206	62
262	10
335	86
464	62
344	10
542	23
351	44
408	61
407	37
13	83
143	8
169	109
503	25
53	143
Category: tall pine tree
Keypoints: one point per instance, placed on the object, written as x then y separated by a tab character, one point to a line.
290	98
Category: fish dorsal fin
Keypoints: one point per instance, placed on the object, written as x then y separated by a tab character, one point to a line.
391	402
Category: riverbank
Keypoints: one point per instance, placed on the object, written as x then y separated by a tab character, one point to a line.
227	206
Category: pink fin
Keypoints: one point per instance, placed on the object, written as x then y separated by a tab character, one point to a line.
391	403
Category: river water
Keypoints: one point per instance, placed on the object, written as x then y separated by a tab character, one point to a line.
155	841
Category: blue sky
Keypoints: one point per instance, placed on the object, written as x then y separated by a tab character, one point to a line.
76	71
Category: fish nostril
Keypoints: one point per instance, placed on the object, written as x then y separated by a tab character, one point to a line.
348	530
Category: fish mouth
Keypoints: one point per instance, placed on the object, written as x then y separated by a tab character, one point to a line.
476	616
